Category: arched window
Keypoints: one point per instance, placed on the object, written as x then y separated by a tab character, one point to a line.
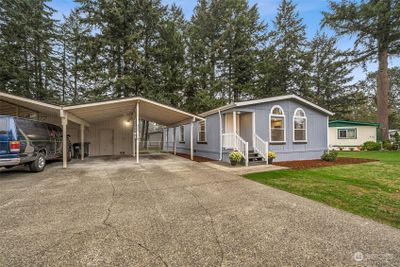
299	126
277	128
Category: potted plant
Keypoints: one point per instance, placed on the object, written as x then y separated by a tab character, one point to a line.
271	156
235	157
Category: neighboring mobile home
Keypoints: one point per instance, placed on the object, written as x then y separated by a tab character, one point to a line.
293	127
351	134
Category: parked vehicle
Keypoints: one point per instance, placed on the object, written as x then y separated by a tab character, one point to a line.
29	142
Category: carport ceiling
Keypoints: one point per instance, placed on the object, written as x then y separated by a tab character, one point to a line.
30	104
148	110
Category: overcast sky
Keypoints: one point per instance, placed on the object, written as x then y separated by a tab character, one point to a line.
309	10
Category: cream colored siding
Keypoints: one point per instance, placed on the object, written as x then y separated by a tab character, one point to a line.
364	134
122	136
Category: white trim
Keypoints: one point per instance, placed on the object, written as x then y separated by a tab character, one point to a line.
266	100
327	132
306	127
205	131
284	124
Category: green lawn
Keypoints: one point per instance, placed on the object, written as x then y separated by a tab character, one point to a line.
369	189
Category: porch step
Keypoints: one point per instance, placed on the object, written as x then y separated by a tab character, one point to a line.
255	157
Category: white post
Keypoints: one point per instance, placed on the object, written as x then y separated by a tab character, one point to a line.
167	148
64	122
174	140
234	121
266	152
137	132
220	135
234	128
246	148
133	134
253	128
191	139
82	141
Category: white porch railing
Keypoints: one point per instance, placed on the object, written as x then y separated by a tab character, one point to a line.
261	147
234	141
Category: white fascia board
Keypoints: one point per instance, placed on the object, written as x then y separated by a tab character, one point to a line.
29	101
266	100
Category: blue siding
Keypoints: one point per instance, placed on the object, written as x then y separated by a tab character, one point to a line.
316	144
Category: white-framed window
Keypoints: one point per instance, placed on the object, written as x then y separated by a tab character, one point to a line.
201	131
181	134
277	127
299	126
347	133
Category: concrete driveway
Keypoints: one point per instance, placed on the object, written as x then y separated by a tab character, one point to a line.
169	211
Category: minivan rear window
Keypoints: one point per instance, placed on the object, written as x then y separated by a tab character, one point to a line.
3	125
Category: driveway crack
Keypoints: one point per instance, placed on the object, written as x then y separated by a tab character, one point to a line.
212	222
108	213
109	225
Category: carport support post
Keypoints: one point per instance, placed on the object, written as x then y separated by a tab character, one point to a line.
82	141
137	132
191	139
174	140
64	123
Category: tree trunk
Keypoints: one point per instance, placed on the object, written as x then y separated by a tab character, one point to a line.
383	92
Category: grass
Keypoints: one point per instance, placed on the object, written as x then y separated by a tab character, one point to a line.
370	189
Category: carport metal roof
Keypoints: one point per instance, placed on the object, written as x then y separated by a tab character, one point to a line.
149	110
98	111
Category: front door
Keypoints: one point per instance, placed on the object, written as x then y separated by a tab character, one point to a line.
229	123
106	142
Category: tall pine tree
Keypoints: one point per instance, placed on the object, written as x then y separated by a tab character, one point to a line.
376	25
27	56
289	45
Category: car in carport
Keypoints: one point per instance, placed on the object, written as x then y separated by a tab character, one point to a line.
29	142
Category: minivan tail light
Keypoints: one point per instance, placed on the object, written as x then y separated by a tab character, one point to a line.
15	146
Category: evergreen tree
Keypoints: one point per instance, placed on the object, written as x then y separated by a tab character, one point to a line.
27	57
241	36
72	53
369	86
289	44
330	78
376	25
171	57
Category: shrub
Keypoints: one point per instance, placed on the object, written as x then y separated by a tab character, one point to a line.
329	155
271	154
235	156
387	145
396	145
371	146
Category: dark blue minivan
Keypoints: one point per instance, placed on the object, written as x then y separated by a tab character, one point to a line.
29	142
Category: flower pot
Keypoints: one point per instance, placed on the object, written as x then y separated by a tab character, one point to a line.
234	162
270	161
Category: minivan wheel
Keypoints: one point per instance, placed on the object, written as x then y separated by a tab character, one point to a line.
39	164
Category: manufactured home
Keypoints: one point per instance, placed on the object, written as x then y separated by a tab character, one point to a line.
345	134
290	126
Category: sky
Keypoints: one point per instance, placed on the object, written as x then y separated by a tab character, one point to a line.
309	10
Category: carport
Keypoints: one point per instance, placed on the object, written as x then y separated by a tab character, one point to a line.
113	113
